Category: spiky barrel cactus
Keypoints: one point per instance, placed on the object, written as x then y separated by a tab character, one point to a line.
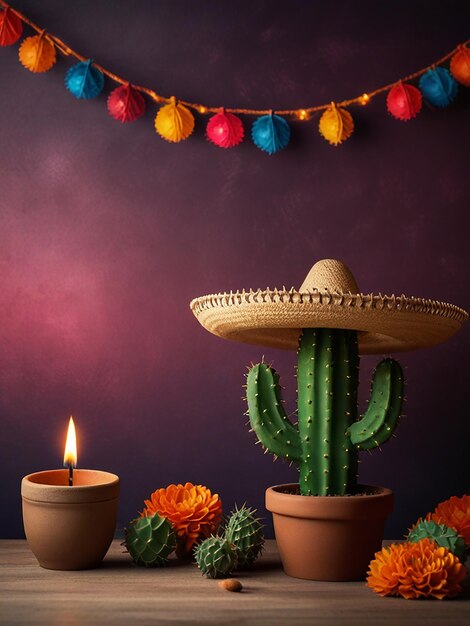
328	437
245	531
441	534
216	557
150	540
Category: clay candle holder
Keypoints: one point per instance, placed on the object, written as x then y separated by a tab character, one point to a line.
70	528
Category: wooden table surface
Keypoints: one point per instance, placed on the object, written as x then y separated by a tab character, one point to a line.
120	593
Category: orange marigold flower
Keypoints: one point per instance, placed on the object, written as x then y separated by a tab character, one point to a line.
192	510
455	513
416	570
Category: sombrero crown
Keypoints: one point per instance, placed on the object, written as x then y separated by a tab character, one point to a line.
328	298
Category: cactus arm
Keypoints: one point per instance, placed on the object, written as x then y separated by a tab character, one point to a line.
267	416
384	408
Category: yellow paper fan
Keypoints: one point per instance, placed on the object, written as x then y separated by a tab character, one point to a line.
174	122
336	125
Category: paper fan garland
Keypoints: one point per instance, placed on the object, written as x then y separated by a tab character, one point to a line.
438	87
174	122
126	104
404	101
37	54
84	81
336	125
225	130
271	133
460	66
11	27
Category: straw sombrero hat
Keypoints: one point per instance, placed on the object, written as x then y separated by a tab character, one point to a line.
328	298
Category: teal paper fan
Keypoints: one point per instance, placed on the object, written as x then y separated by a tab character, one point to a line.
270	133
84	81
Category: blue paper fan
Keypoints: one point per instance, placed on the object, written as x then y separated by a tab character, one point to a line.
84	81
438	87
270	133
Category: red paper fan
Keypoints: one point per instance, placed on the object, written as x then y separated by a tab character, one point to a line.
225	130
404	101
126	104
11	27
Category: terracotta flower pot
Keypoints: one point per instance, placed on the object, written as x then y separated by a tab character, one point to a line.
328	537
70	528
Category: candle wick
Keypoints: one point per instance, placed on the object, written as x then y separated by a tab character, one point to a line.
70	475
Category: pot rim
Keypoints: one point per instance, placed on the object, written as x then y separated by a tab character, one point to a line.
39	488
360	506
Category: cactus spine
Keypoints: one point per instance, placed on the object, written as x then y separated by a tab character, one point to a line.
328	437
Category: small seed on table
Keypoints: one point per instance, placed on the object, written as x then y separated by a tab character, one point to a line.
231	584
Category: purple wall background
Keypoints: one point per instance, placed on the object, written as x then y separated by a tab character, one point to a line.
107	232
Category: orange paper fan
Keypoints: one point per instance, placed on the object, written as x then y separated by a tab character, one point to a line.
37	54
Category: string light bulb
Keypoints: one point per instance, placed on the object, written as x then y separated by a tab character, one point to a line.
202	109
364	99
302	114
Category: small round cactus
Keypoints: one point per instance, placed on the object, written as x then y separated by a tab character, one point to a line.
150	540
441	534
245	531
216	557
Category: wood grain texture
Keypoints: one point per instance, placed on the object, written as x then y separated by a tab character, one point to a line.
121	593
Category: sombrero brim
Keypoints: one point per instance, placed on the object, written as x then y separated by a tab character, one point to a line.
276	317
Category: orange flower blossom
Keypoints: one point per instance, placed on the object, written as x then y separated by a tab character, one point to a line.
455	513
193	511
416	570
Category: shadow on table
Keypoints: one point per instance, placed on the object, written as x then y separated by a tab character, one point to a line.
127	563
117	562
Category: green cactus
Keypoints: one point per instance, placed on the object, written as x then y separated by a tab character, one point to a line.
441	534
150	540
326	441
215	557
245	531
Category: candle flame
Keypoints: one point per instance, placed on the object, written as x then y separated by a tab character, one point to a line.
70	454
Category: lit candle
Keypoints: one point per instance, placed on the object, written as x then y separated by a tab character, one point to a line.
70	454
70	517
